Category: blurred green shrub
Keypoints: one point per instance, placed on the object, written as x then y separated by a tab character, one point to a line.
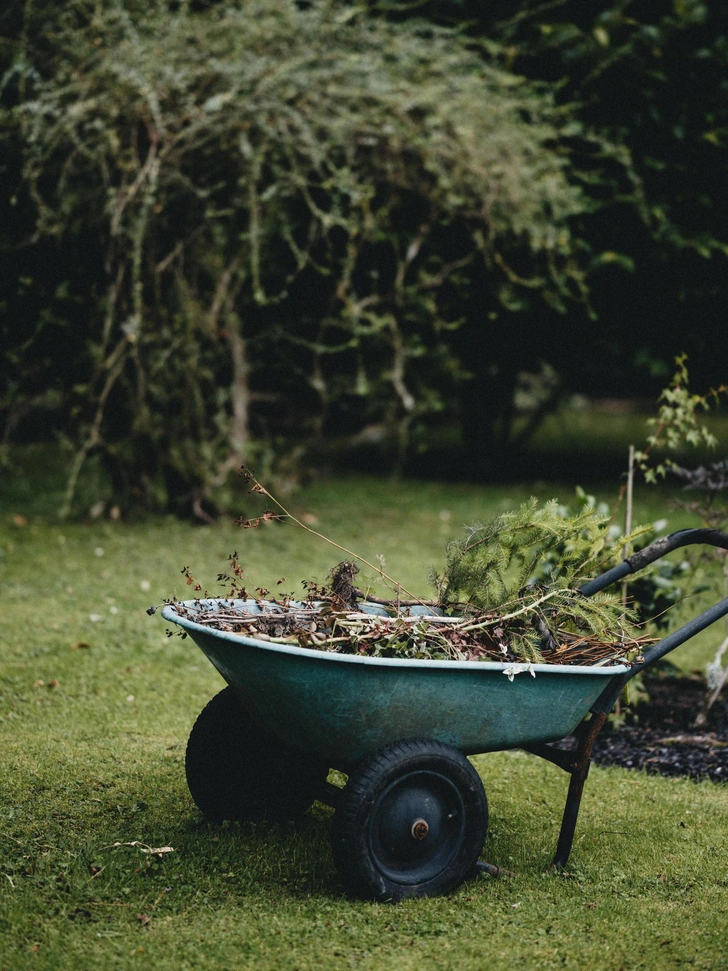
261	219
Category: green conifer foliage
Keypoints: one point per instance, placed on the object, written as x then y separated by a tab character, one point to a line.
527	565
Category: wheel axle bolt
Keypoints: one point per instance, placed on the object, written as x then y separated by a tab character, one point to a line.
420	829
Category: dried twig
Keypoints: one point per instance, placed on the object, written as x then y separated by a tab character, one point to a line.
159	851
326	626
261	490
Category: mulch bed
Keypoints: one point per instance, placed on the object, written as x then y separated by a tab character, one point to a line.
661	739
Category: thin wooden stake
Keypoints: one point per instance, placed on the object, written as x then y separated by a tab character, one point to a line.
630	492
627	531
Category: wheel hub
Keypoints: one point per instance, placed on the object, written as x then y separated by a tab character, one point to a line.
415	828
420	829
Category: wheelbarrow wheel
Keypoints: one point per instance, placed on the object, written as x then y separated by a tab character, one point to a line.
411	822
237	771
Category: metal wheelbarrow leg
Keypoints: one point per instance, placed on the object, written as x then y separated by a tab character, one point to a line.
578	762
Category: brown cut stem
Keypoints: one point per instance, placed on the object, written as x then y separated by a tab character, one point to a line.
289	515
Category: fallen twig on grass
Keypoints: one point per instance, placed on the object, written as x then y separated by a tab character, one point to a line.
136	844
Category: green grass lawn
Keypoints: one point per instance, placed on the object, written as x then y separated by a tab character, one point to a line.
96	704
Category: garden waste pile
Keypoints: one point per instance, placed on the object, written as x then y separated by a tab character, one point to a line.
509	592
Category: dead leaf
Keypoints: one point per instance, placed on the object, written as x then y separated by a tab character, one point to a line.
79	645
19	520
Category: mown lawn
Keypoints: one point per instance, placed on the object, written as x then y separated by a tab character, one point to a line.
95	707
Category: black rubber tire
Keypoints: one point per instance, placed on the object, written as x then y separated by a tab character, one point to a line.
411	822
237	771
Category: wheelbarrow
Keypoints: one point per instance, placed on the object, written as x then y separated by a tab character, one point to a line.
412	817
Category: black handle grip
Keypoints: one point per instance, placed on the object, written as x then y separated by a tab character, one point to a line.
655	551
683	537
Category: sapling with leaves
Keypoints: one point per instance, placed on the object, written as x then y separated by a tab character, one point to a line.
711	508
676	426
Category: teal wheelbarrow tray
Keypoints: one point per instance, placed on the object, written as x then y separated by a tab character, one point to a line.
412	817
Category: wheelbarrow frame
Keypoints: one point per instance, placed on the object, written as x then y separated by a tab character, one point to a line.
591	695
578	763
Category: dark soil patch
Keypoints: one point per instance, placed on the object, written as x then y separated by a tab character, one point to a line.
660	737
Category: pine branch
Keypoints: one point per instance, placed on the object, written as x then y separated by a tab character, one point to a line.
526	566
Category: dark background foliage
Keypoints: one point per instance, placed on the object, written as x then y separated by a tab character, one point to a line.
243	230
651	77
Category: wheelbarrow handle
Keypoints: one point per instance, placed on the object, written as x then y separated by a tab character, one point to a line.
655	551
579	767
